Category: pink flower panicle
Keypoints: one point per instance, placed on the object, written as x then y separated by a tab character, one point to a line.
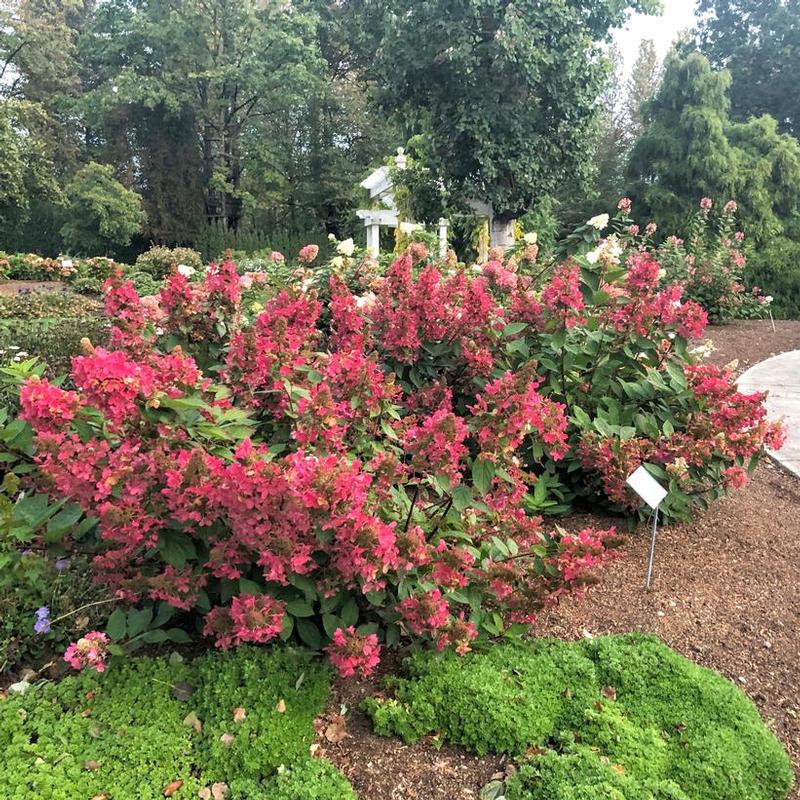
90	651
353	653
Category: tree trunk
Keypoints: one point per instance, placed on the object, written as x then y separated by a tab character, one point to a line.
502	232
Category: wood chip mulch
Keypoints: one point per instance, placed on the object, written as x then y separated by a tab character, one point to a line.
726	593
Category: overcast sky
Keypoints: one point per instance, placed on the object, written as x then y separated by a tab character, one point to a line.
663	30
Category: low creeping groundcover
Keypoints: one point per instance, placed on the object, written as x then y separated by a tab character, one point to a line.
611	718
223	727
351	456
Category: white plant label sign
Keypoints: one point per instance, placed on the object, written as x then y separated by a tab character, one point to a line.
647	487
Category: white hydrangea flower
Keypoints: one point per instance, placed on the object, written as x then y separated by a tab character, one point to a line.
186	270
593	256
599	222
346	248
531	238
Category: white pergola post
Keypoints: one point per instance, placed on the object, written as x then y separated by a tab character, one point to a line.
373	236
443	223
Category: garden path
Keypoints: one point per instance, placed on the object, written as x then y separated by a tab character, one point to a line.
780	376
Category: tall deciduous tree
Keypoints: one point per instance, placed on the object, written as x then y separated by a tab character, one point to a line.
101	212
691	149
506	90
227	65
758	41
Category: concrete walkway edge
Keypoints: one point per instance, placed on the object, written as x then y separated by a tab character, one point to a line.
780	376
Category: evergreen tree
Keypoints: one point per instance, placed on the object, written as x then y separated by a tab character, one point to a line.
691	149
641	87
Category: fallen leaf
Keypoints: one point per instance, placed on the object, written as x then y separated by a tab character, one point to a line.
81	622
191	721
618	768
100	797
182	691
89	695
92	765
227	739
94	731
281	707
299	681
336	730
239	714
171	788
87	712
567	693
314	749
219	791
609	692
204	793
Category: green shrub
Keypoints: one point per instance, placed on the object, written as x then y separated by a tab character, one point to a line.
584	776
620	717
144	283
50	326
775	268
138	737
158	261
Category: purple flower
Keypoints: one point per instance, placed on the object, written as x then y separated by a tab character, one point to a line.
42	624
61	564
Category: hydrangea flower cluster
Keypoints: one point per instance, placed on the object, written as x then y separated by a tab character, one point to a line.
353	653
89	652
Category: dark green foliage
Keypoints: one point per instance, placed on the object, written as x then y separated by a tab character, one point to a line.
758	41
775	267
432	63
138	737
619	717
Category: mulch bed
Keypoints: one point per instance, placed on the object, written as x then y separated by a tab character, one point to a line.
725	594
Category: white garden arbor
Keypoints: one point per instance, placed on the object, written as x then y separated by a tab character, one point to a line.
383	213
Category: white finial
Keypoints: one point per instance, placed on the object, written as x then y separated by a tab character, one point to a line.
400	159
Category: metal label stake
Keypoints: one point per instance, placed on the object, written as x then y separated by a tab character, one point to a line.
652	492
652	550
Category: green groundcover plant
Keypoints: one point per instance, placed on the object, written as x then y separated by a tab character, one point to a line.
236	726
621	717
